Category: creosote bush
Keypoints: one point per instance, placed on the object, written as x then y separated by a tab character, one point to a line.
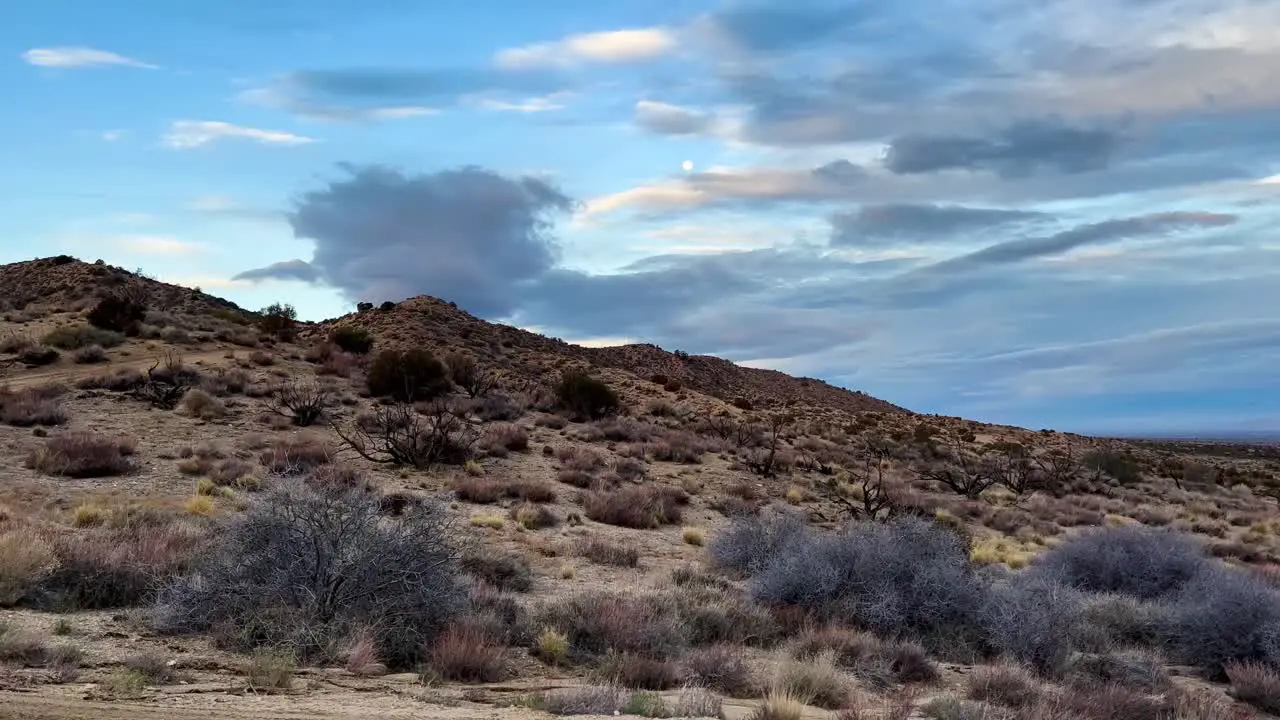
309	565
586	396
408	375
352	339
122	313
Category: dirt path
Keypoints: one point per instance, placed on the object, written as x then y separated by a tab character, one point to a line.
16	377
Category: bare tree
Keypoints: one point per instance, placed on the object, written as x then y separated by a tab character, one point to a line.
764	461
165	386
399	434
730	429
303	403
874	497
960	470
467	374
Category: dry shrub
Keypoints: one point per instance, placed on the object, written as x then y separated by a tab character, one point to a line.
32	406
1255	684
26	558
576	478
818	680
116	568
640	671
501	570
779	704
484	491
21	647
117	380
589	700
604	552
577	458
1005	685
271	669
199	404
597	623
83	454
90	355
362	654
504	437
642	507
532	516
723	668
152	666
679	447
297	455
467	652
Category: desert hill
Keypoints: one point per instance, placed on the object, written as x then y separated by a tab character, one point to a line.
433	323
167	488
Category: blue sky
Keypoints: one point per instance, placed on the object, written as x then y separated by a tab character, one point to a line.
1054	215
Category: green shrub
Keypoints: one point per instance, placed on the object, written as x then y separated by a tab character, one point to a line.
118	313
352	339
586	396
278	319
408	375
74	337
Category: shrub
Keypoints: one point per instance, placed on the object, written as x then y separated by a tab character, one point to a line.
603	552
1004	685
778	704
1224	615
1143	562
115	568
505	437
501	570
303	404
278	319
467	652
589	700
354	340
297	455
153	667
89	355
586	396
597	623
199	404
721	667
467	374
1141	671
83	454
552	646
904	577
26	559
1032	619
21	647
693	536
266	584
636	506
1122	468
32	406
641	672
750	542
408	375
272	669
118	380
1255	684
75	337
118	313
532	516
38	355
819	681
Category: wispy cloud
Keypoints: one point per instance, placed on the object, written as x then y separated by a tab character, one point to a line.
614	46
156	245
187	134
113	135
227	207
79	57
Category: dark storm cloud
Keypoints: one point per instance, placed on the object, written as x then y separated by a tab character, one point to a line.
767	28
1019	150
874	225
470	235
285	270
665	119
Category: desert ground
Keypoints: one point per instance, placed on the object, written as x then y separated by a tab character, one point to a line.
210	512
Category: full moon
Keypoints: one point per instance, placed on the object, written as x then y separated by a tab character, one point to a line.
687	165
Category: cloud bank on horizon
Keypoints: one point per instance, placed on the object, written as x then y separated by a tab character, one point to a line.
1054	215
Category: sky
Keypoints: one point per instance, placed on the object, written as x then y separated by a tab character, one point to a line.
1056	214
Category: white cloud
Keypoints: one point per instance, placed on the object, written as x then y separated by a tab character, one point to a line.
156	245
73	57
283	96
615	46
185	134
113	135
531	105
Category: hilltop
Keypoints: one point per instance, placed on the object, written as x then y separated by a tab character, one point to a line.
166	485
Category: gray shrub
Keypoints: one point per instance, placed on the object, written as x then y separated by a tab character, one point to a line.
1143	562
1224	615
308	565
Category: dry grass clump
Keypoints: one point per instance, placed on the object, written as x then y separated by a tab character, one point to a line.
818	680
271	670
484	491
500	570
603	552
779	704
297	455
114	568
90	355
21	647
642	672
589	700
1256	684
26	558
83	454
117	380
199	404
502	438
721	667
73	337
1005	685
644	507
30	406
468	652
532	516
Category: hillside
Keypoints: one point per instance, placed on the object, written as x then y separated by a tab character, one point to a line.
171	498
429	322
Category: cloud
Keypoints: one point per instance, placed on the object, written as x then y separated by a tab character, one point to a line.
156	245
764	28
470	235
187	134
1091	234
1017	151
220	206
554	101
299	270
614	46
877	225
79	57
667	119
113	135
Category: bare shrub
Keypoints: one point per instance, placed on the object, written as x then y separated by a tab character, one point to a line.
399	435
1224	615
74	337
117	380
266	584
1031	619
1005	685
297	455
589	700
597	623
1142	671
604	552
907	577
199	404
637	506
1143	562
723	668
1255	684
89	355
114	568
501	570
83	454
165	386
817	680
504	437
303	404
467	652
750	542
467	374
32	406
